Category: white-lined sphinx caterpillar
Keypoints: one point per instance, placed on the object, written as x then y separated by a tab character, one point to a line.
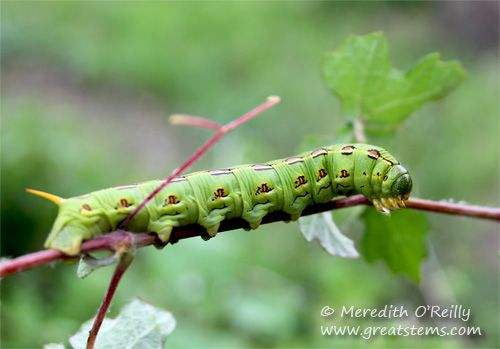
249	192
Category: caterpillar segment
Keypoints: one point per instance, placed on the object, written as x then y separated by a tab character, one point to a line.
249	192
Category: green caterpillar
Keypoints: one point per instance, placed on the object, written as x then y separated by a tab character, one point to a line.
248	192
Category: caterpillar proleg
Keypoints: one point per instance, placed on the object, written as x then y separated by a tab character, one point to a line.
249	192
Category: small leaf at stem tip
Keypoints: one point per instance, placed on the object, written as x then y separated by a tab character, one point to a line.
273	99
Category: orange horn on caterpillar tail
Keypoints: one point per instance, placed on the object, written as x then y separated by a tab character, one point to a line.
54	198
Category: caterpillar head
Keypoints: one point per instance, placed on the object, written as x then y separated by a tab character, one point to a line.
402	186
396	188
75	222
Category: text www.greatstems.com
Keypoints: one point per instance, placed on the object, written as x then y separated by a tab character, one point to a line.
400	330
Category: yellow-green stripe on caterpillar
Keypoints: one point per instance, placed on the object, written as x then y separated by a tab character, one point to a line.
249	192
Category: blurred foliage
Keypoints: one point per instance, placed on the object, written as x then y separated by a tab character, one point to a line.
86	88
398	240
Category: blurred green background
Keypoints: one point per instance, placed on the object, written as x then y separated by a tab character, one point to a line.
86	91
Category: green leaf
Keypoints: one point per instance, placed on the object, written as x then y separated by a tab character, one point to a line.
139	325
88	264
399	240
360	73
322	228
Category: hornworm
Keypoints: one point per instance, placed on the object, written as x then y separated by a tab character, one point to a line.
249	192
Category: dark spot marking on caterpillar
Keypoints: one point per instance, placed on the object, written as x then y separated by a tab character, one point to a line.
264	188
344	173
362	186
347	150
301	180
170	214
220	193
171	200
219	208
259	167
321	174
385	178
86	207
319	152
364	173
378	173
340	192
259	203
348	193
123	203
343	186
219	172
326	187
373	154
299	196
294	160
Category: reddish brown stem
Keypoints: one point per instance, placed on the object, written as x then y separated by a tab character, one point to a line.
456	209
225	129
106	242
29	261
125	261
110	241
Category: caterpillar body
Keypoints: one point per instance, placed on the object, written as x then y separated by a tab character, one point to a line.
249	192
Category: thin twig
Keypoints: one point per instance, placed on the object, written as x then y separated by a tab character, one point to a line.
455	209
224	130
126	259
110	241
